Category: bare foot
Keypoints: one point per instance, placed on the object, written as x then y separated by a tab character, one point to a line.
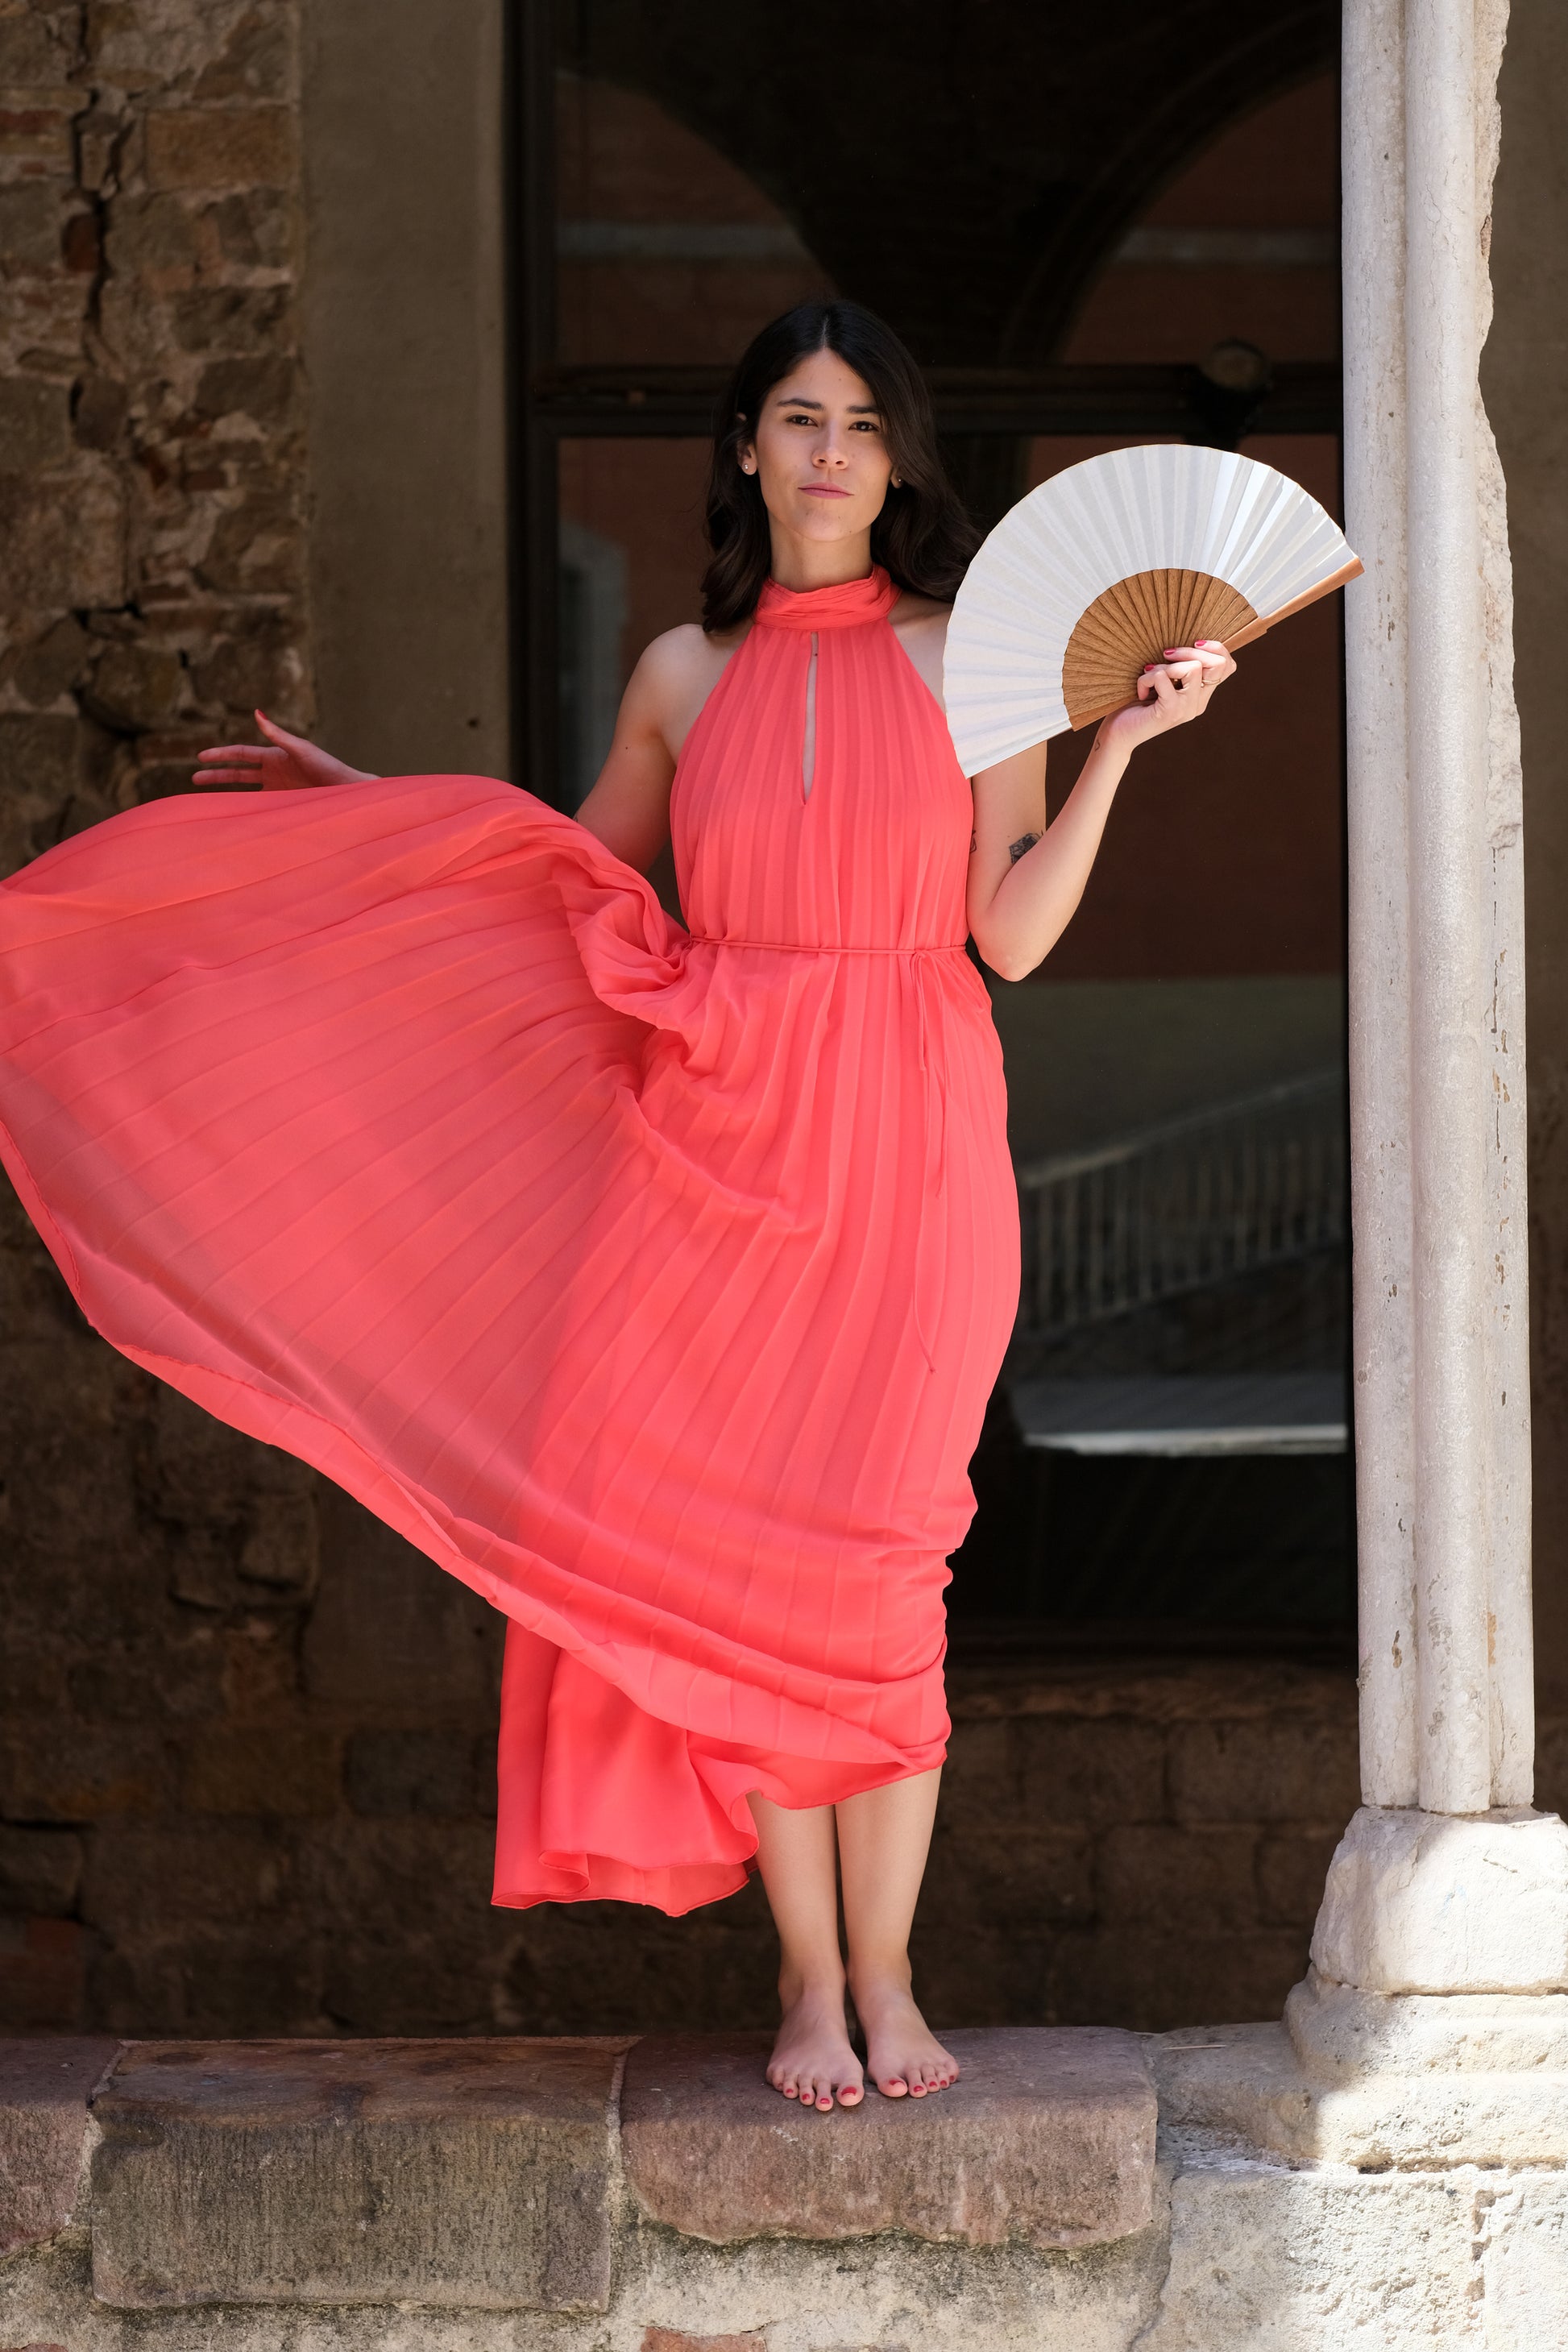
903	2056
812	2059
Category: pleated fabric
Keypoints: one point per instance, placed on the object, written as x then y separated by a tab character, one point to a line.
652	1283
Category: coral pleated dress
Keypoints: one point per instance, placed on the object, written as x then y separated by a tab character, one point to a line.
653	1284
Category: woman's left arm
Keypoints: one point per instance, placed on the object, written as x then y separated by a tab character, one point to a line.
1026	878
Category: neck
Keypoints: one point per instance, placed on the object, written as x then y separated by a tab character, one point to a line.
803	564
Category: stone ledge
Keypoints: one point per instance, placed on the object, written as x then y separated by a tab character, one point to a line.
1047	2139
487	2175
460	2175
46	2129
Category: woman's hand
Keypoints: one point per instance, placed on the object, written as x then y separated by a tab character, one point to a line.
284	763
1170	692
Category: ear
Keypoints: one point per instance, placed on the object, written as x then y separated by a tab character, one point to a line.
746	457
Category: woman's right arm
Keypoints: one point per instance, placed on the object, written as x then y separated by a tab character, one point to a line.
628	807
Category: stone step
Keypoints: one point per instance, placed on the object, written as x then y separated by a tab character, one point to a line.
1046	2139
487	2175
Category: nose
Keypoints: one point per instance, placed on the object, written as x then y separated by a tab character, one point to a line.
831	451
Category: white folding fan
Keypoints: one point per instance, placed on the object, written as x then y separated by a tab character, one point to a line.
1102	567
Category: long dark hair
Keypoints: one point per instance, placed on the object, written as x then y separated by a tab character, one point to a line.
922	535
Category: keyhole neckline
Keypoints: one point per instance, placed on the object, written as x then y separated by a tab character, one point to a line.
808	738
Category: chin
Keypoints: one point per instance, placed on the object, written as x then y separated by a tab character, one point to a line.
828	520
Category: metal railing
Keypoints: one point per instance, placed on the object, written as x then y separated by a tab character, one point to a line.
1179	1207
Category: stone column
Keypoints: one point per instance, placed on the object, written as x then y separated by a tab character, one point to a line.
1446	1917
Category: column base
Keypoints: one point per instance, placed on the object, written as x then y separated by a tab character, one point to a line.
1443	1903
1432	2027
1457	2080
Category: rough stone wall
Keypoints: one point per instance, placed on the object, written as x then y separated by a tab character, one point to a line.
151	422
152	523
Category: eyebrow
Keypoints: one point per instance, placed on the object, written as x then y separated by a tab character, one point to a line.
791	400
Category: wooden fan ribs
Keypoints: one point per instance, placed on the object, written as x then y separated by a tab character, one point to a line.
1132	623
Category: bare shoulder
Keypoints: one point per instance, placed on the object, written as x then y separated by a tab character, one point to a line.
683	657
921	622
924	613
676	673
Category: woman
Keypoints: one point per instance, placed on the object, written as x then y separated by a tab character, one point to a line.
652	1281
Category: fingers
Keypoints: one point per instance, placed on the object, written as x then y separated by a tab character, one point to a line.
281	735
234	763
1183	682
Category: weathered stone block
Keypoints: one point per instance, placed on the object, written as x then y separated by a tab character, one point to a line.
1273	2261
231	320
261	389
1201	1880
45	2087
101	409
29	230
288	1768
40	1871
469	2175
250	1977
1292	1868
1047	2139
35	48
143	1881
256	228
134	687
1091	1772
153	237
391	1630
1279	1772
43	1975
221	147
253	62
76	1773
1010	1875
35	422
49	666
255	548
36	128
395	1772
64	544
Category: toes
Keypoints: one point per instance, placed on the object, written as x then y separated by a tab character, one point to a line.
895	2087
851	2094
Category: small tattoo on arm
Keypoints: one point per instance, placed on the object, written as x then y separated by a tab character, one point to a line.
1015	849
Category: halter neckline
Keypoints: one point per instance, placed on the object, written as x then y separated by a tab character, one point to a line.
848	604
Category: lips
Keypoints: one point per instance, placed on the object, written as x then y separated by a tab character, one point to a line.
820	490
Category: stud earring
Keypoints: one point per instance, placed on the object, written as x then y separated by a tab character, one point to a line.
897	481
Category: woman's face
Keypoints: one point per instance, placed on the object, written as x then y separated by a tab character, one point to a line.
819	453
